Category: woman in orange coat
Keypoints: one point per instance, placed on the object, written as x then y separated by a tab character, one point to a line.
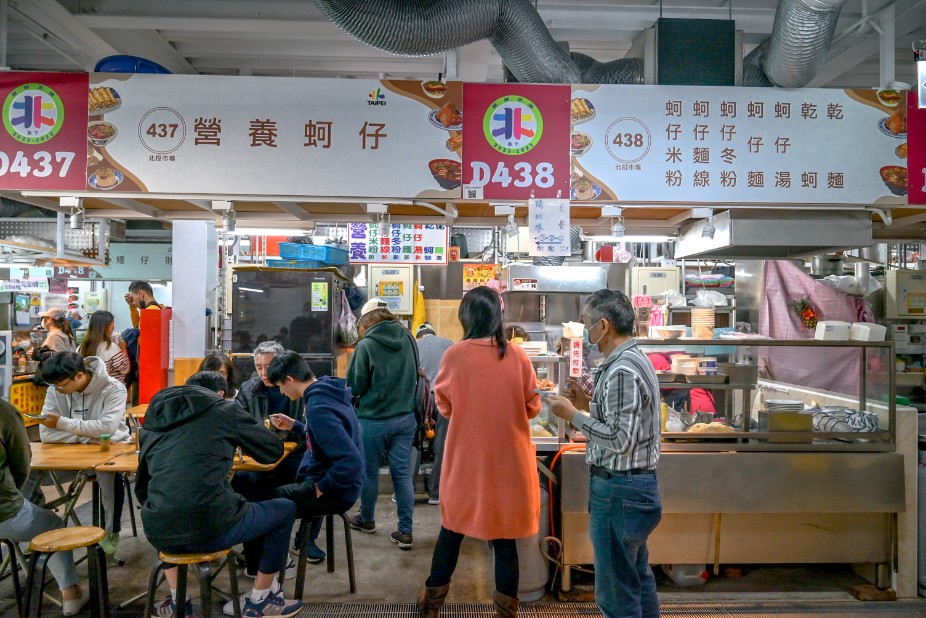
489	484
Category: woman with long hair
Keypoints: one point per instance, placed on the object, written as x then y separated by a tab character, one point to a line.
222	364
101	341
489	484
60	335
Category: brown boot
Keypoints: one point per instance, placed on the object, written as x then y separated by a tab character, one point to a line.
505	606
430	601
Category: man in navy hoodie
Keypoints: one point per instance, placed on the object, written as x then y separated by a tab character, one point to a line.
331	473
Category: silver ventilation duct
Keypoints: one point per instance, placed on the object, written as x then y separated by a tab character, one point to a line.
797	49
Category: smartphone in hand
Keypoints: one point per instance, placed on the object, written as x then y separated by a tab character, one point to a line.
38	417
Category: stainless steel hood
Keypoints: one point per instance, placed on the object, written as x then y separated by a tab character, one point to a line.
770	234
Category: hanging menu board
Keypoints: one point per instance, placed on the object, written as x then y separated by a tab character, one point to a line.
736	145
403	243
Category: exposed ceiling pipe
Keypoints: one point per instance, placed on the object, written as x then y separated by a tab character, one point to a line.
795	53
797	49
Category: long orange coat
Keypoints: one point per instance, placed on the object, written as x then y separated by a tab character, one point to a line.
489	486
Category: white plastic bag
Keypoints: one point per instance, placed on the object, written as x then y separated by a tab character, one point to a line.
347	323
674	299
709	298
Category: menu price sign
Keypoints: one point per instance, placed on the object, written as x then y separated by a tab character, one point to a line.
517	141
475	275
916	144
43	143
548	227
404	243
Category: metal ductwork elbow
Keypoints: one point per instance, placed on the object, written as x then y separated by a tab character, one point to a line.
797	49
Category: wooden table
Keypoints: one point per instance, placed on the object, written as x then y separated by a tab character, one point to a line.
78	458
138	411
128	462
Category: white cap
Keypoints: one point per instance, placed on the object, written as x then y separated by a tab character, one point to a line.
370	305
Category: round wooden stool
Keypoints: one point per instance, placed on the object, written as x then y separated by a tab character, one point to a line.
203	563
303	534
63	539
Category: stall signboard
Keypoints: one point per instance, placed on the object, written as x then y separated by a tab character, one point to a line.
916	138
43	141
403	243
517	140
23	285
273	136
574	352
134	261
736	145
548	228
475	275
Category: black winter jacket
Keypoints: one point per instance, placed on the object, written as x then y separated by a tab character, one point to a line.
187	450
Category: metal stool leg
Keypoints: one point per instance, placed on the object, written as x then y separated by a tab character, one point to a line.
99	584
181	589
233	584
35	584
303	534
204	570
153	582
349	548
14	570
128	495
329	540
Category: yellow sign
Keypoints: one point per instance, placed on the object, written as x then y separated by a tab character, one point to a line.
475	275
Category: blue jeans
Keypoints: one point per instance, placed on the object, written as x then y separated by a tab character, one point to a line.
394	435
623	511
32	520
267	524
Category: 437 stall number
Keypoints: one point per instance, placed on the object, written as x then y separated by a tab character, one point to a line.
39	165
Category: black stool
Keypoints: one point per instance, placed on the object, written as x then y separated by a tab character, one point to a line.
303	534
14	570
203	562
63	539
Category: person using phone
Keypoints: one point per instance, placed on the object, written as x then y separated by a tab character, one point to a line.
21	520
83	403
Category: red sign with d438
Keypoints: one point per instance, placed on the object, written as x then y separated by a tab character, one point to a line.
516	141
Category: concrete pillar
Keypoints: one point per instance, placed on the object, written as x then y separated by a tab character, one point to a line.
195	277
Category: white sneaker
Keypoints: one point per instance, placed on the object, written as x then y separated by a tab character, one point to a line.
290	571
433	500
229	610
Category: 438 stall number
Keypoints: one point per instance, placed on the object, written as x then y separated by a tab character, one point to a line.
41	164
524	174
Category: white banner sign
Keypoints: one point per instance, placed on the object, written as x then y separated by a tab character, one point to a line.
548	227
272	136
402	242
734	145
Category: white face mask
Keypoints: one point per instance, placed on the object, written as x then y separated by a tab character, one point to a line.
592	346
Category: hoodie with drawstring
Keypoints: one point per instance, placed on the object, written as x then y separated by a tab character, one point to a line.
85	416
382	373
187	450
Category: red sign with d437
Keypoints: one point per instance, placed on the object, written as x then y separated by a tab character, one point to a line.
43	144
516	141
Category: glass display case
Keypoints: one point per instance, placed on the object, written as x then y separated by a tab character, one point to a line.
772	395
547	430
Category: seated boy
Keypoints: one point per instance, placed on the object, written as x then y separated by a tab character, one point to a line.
193	428
82	403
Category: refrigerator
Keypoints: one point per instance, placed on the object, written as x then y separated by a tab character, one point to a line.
297	308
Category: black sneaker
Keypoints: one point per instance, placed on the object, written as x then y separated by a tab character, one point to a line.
359	523
402	539
314	554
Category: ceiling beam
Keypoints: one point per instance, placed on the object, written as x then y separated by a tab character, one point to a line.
294	209
40	202
278	27
134	206
59	22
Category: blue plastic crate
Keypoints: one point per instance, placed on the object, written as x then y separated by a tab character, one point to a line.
295	264
321	253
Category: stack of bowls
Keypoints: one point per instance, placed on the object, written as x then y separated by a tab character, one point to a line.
702	322
784	405
707	366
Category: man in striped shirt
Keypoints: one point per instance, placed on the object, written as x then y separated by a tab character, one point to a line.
623	430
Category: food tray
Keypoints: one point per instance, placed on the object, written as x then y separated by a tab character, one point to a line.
667	376
717	379
320	253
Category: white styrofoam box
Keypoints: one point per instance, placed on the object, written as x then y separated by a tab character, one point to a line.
832	330
867	331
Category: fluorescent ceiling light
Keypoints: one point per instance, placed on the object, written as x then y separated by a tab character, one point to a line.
244	289
630	238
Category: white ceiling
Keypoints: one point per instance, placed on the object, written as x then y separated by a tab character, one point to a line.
293	38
